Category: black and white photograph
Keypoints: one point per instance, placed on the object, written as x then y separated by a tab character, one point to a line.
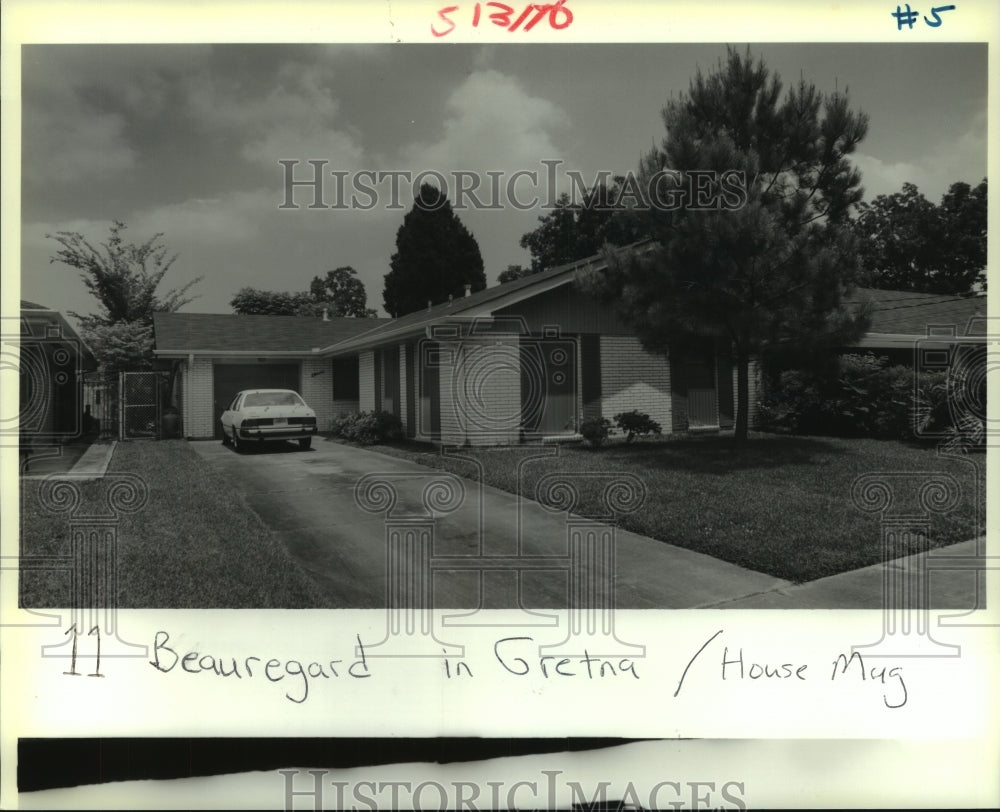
511	371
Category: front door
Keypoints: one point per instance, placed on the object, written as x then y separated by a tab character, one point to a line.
548	385
703	402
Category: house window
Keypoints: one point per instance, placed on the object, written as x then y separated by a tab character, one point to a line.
345	379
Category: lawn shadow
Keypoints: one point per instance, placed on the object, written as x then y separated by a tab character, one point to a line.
721	454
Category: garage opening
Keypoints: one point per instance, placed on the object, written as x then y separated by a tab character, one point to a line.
232	378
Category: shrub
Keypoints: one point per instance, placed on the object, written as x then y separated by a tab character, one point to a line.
596	430
864	397
636	424
949	407
367	428
340	423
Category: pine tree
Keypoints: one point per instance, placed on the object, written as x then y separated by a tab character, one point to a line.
772	272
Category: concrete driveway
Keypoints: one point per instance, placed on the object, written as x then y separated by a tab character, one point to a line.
481	557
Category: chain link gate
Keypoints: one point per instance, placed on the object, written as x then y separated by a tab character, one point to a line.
140	405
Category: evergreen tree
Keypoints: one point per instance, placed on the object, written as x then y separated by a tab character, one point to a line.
435	257
771	272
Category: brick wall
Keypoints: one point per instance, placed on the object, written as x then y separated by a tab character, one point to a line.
199	409
316	389
632	378
366	379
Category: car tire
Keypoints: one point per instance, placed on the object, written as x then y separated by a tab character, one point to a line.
225	437
305	443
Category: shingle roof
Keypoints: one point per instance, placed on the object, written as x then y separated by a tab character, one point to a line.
227	332
473	301
904	313
416	321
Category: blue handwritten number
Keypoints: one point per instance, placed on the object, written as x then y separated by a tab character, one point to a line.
907	18
935	14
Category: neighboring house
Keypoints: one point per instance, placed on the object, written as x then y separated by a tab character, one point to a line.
910	328
53	360
528	359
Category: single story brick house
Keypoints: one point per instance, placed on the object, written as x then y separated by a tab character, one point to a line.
529	359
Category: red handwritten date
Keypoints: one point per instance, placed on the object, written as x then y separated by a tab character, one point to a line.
502	15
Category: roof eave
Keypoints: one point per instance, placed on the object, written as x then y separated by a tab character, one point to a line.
483	311
909	339
182	353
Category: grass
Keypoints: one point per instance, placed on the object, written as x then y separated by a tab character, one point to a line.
778	504
194	544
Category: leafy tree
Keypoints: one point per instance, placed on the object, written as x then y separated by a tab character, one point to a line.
770	273
572	231
342	292
908	243
256	302
436	256
123	277
513	272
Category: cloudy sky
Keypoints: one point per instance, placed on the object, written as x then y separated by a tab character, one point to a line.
186	139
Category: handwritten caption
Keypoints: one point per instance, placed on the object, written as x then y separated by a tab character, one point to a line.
517	658
511	18
908	17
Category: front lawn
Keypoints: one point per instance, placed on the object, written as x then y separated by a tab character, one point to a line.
194	544
778	504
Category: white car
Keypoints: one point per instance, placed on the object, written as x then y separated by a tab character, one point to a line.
257	415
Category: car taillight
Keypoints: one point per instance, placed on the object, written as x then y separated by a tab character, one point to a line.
250	422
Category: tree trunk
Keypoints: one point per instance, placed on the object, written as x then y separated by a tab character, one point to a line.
742	396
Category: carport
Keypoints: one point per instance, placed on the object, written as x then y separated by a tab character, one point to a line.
230	378
218	355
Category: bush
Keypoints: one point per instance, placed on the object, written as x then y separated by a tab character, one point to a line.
636	424
596	430
367	428
951	409
864	397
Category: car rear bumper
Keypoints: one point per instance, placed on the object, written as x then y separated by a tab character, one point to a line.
262	433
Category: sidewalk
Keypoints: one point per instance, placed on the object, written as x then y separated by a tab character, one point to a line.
73	460
863	588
